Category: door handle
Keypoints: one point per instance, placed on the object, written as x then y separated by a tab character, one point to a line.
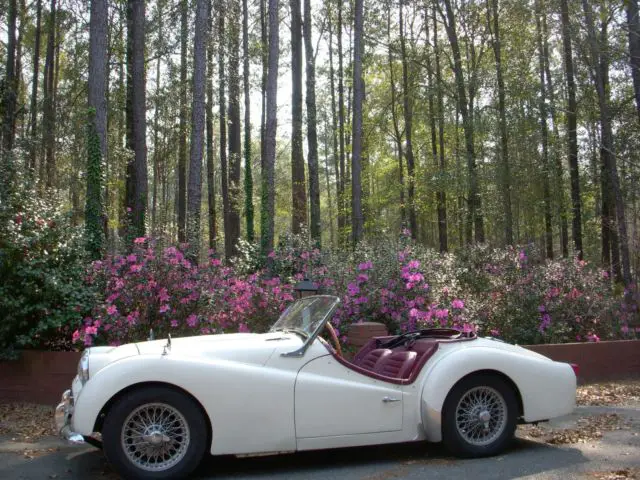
390	399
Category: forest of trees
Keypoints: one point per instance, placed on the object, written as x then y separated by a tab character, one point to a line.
210	121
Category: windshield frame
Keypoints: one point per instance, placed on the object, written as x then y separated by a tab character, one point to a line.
309	336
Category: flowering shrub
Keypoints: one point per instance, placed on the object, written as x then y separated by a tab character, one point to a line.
42	265
164	291
509	293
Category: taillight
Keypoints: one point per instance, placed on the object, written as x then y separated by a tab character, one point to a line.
576	369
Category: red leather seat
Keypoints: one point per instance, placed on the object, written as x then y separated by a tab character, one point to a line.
396	365
371	359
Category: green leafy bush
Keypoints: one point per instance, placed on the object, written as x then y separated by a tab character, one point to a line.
42	268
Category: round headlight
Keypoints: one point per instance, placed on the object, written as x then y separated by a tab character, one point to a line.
83	367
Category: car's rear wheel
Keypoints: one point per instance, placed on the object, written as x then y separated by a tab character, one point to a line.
479	416
154	433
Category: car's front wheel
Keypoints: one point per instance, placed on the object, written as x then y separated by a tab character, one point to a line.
154	433
479	416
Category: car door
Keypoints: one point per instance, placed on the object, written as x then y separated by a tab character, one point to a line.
332	400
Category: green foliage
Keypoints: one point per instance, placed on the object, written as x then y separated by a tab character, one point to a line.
94	228
42	266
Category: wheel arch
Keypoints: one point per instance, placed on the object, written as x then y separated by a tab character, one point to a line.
137	386
494	373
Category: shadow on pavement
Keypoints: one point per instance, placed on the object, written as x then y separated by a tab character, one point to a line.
410	460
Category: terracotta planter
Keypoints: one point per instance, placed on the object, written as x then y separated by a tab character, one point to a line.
37	376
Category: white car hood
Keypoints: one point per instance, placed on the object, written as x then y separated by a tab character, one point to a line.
251	348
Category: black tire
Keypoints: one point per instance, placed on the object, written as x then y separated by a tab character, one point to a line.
192	439
500	433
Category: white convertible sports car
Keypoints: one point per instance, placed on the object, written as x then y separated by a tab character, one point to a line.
161	405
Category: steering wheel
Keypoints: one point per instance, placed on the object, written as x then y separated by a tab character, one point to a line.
334	338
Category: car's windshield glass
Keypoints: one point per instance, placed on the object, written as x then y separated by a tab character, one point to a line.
306	315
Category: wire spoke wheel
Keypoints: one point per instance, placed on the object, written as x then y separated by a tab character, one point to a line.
481	415
155	437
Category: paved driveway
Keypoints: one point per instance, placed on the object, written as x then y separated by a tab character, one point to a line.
617	450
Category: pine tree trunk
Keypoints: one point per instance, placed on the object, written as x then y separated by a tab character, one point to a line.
222	4
357	218
505	170
48	120
436	124
156	128
97	127
396	127
557	161
298	186
211	178
136	183
194	193
600	73
334	127
633	25
408	127
33	147
312	129
234	126
341	133
10	86
572	135
182	140
544	135
248	174
474	201
267	210
264	46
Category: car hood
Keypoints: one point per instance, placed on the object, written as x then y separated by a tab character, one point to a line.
251	348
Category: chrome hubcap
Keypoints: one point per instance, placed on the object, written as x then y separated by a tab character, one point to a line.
481	415
155	437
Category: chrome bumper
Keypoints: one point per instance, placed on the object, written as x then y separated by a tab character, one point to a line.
62	417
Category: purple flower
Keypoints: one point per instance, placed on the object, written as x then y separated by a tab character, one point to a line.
457	303
353	289
365	266
192	320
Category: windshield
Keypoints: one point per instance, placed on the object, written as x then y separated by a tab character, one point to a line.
307	315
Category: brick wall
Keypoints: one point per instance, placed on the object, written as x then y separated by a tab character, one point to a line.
38	377
598	361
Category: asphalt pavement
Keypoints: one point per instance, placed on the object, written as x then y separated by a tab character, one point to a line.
616	451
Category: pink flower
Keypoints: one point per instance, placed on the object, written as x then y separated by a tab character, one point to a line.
272	254
88	340
365	266
164	308
457	303
139	240
215	262
363	277
442	313
91	331
75	337
353	289
174	323
243	328
163	296
495	332
414	264
593	338
135	268
192	320
132	258
112	310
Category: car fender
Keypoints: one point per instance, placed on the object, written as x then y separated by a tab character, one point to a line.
546	388
250	407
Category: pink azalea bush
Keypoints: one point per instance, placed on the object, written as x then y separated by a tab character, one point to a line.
508	293
165	291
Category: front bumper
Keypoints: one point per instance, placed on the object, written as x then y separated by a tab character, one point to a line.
62	417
